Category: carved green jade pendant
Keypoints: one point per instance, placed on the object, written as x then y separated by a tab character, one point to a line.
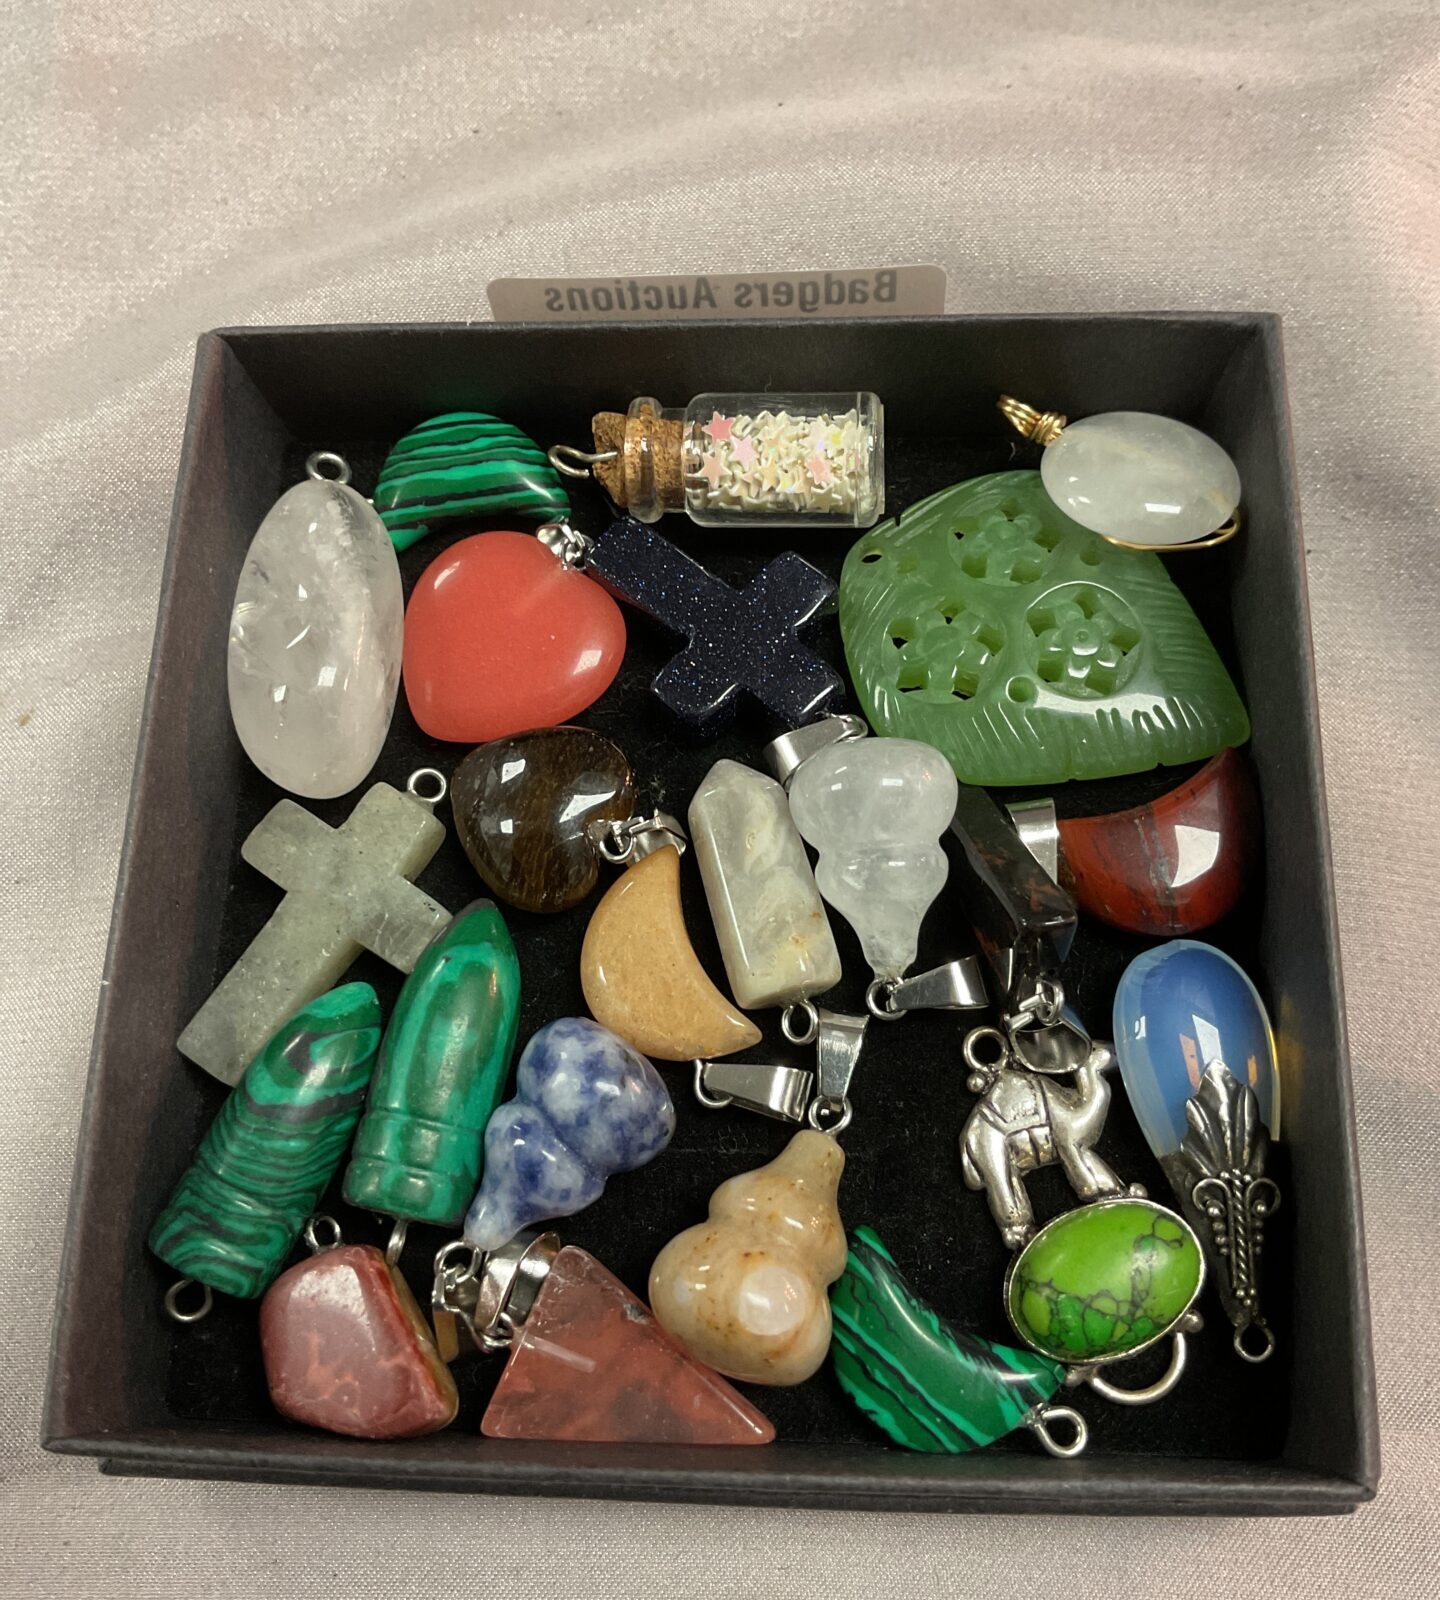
987	623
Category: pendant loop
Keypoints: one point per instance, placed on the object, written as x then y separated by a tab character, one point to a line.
172	1301
563	457
333	1237
829	1114
1267	1349
320	459
396	1242
633	838
432	778
1044	427
1179	1350
568	544
1039	1420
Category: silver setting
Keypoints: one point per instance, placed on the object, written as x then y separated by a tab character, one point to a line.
1187	1322
1039	829
176	1312
769	1091
1219	1175
435	787
785	755
316	463
957	986
568	544
1025	1120
633	838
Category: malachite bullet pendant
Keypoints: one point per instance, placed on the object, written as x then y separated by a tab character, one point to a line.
273	1149
464	467
989	624
442	1070
927	1384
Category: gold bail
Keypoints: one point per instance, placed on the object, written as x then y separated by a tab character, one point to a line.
1042	426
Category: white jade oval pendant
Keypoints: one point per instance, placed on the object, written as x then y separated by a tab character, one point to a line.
315	640
1142	478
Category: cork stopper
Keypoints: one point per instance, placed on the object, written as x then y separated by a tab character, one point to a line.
650	462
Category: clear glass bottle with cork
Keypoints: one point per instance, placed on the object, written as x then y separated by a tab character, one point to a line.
743	460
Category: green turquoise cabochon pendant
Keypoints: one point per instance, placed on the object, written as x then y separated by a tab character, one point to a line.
928	1385
462	467
1104	1281
1028	650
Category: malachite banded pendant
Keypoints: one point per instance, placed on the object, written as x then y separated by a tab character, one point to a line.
924	1382
465	466
274	1147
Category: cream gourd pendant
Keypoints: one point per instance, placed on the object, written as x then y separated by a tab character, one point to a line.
1142	481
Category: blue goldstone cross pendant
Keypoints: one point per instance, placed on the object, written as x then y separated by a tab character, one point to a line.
736	639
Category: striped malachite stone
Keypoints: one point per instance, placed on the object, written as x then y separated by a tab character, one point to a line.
464	466
274	1147
929	1386
442	1070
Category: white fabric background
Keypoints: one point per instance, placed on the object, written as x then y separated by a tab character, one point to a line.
167	166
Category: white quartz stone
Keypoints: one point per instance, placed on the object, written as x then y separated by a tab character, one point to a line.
1133	475
315	641
774	936
875	810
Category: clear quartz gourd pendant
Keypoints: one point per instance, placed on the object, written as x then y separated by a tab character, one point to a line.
1140	480
316	637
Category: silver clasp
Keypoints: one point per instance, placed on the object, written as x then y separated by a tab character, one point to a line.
770	1091
633	838
569	544
785	755
957	986
489	1295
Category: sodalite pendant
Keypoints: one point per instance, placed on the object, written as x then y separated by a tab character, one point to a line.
586	1107
927	1384
1198	1059
315	638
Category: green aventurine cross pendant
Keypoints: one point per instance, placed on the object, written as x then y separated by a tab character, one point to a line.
347	889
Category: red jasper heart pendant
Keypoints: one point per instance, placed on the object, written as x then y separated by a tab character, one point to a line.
501	636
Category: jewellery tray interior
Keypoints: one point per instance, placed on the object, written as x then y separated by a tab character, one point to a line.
1296	1434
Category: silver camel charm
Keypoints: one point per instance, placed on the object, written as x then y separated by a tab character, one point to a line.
1026	1120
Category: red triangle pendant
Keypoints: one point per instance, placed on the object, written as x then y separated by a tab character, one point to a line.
592	1363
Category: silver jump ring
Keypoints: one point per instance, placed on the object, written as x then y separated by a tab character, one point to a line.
711	1102
1255	1357
172	1301
333	1236
327	458
823	1107
811	1030
436	780
877	999
974	1060
563	456
1040	1419
447	1252
396	1242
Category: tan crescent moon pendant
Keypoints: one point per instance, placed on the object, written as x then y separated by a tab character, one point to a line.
641	976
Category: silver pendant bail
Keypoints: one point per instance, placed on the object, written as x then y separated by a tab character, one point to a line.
785	755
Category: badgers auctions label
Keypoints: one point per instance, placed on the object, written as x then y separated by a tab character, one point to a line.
850	292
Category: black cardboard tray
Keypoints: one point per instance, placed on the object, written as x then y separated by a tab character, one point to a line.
1296	1435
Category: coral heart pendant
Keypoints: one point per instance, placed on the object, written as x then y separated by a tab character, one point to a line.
502	636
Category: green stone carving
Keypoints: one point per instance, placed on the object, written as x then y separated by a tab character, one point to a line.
274	1147
462	467
442	1071
929	1386
1025	648
1104	1280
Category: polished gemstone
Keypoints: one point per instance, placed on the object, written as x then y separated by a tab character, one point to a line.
501	637
774	936
462	467
1178	1008
744	1292
987	623
522	806
1023	920
930	1386
738	642
1104	1280
442	1070
586	1106
1137	476
874	809
1176	865
315	641
590	1363
642	978
346	1349
347	890
274	1147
